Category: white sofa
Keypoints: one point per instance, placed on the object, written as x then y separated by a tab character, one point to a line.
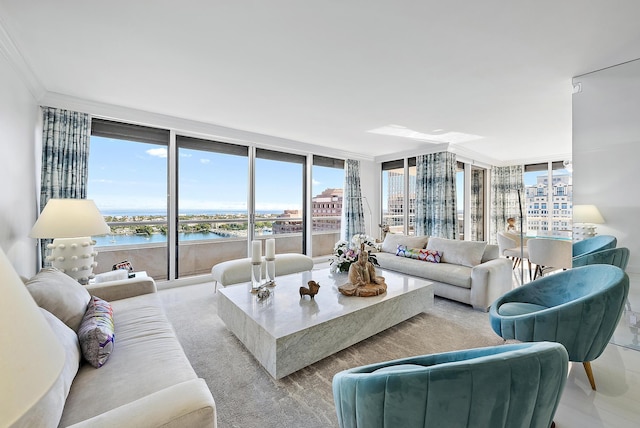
147	380
470	272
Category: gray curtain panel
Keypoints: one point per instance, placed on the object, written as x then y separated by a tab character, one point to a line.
352	212
476	229
505	183
65	156
436	195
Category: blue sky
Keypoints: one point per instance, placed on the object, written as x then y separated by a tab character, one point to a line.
133	176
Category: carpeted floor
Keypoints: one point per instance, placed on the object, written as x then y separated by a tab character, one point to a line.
247	396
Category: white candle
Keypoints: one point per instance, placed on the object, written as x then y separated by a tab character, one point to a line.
270	250
256	252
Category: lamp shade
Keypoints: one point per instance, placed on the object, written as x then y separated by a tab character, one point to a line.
587	214
31	358
69	218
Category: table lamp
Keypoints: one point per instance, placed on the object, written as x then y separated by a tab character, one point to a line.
31	358
71	222
585	218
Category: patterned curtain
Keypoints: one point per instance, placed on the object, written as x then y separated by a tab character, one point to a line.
477	205
65	157
352	212
506	183
436	195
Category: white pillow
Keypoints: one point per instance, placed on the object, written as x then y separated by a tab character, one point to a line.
113	275
465	253
61	295
392	240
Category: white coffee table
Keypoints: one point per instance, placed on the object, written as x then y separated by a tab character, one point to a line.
286	333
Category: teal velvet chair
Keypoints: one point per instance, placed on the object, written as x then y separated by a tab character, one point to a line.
613	256
579	308
591	245
513	386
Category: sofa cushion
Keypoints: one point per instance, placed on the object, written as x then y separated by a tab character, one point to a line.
441	272
97	333
465	253
61	295
392	240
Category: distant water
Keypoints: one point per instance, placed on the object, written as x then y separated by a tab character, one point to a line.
161	212
109	240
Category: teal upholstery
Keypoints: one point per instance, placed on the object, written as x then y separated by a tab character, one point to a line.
591	245
613	256
516	385
583	307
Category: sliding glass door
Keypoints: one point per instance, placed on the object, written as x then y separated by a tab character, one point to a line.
280	199
213	219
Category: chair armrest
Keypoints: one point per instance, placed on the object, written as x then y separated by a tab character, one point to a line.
490	280
188	404
122	289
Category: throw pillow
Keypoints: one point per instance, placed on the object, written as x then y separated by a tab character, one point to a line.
61	295
465	253
392	240
97	332
411	253
432	256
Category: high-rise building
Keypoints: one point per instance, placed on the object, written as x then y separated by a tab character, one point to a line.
326	214
540	208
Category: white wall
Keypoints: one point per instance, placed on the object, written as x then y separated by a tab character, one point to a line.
18	122
606	152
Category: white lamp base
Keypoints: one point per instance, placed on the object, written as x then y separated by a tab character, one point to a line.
74	256
583	231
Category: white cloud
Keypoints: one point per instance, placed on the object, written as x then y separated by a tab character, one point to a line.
204	161
160	153
185	155
315	182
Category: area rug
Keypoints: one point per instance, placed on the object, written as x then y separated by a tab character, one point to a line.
247	396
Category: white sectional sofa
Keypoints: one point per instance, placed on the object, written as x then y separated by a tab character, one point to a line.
146	380
470	272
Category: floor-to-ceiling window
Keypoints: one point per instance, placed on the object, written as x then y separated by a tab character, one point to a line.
399	195
326	203
212	199
280	198
548	199
128	182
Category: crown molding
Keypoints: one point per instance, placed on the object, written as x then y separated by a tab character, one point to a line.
192	127
9	50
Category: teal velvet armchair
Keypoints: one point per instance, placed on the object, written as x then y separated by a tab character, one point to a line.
591	245
613	256
512	386
579	308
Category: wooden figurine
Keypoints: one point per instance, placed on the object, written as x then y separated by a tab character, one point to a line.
311	291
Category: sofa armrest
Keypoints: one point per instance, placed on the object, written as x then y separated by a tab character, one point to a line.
122	289
490	280
187	404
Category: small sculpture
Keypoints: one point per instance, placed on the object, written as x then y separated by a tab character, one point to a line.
363	280
311	291
263	292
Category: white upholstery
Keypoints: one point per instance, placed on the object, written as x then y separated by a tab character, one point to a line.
477	286
550	254
239	270
147	381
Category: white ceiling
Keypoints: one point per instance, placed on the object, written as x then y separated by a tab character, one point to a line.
326	72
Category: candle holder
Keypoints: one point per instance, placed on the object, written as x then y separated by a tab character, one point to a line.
256	276
271	271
